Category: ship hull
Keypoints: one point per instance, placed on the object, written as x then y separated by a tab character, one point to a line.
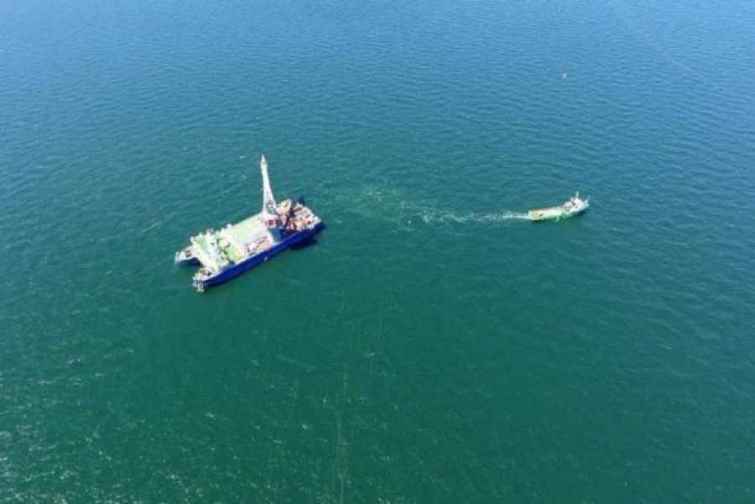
554	213
292	240
544	214
548	214
193	261
184	258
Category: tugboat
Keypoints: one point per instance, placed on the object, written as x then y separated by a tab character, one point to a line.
226	253
573	206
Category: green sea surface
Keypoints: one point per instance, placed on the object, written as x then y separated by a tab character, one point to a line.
431	347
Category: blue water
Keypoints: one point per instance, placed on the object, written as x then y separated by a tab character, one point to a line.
431	347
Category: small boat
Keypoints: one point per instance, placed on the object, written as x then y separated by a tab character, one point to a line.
573	206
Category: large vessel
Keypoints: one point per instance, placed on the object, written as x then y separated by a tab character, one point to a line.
573	206
226	253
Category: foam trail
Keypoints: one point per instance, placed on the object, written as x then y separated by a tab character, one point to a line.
380	203
503	216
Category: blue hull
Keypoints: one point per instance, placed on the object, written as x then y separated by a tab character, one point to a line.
249	263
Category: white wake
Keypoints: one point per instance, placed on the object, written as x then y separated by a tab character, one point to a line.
382	204
472	217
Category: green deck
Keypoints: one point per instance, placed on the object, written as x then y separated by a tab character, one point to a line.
233	241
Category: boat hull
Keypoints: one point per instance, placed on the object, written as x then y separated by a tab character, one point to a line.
545	214
554	213
184	258
292	240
